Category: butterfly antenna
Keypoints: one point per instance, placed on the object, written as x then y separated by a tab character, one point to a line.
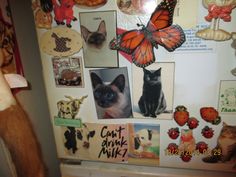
140	24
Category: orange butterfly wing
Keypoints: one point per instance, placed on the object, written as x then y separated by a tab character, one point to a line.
159	30
170	38
143	54
128	41
162	17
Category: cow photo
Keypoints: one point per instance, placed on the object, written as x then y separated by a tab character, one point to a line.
144	144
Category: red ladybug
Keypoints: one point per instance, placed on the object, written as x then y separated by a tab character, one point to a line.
172	149
173	133
202	147
193	123
207	132
186	157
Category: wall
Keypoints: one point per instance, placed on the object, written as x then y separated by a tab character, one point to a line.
33	100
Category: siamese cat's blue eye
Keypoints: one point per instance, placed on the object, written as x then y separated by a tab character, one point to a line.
109	96
97	94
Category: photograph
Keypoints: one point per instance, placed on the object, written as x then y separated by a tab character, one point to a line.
153	91
144	144
68	72
111	93
97	30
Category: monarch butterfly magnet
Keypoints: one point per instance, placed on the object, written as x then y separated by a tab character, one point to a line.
159	31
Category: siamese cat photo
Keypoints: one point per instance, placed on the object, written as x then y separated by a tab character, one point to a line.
97	30
95	40
113	98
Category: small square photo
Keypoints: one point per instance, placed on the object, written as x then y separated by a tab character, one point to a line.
68	72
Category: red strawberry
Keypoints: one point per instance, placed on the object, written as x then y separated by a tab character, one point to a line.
186	157
193	123
210	114
202	147
207	132
173	133
172	149
181	115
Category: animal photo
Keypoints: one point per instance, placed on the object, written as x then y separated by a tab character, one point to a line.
97	29
152	102
153	91
69	108
77	140
111	93
95	39
68	72
83	135
144	143
225	149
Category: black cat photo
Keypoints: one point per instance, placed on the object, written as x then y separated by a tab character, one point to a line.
153	91
112	98
97	30
152	102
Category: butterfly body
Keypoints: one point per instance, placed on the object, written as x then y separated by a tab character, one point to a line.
159	31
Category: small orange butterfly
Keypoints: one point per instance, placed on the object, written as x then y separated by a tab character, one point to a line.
159	31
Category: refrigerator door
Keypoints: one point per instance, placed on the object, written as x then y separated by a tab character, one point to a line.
107	104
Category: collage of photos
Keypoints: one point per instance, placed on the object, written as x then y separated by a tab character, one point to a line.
133	84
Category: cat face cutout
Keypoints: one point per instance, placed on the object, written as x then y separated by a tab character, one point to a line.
106	95
228	131
152	77
97	38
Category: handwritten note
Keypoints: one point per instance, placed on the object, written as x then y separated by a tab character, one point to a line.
114	144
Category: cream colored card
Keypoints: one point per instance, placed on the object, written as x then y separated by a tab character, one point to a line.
182	13
227	97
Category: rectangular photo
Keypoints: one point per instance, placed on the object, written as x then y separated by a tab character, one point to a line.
144	144
153	91
227	97
111	92
97	30
68	72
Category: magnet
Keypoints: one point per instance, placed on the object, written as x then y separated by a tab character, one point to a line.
61	42
217	10
159	31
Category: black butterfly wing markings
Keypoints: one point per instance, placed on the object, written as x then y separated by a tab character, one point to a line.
170	38
159	31
162	17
